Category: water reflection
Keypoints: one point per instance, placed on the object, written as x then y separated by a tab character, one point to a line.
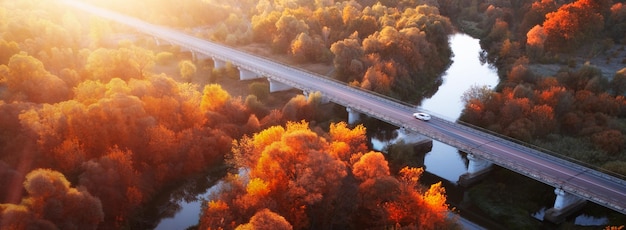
466	71
180	208
580	220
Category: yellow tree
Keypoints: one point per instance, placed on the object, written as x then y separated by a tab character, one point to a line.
213	98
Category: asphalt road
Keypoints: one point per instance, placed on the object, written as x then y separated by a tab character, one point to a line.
573	178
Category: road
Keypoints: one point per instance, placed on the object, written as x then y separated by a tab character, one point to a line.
581	181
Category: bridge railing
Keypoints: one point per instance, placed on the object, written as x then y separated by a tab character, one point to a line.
546	152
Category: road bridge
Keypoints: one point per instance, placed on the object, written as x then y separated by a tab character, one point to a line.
573	182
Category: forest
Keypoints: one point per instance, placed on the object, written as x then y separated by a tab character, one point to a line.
96	123
395	48
575	108
400	49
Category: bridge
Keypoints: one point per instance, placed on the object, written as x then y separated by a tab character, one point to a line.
574	183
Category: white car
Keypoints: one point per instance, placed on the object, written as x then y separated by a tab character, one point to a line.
422	116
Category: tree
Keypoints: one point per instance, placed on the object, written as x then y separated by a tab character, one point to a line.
618	83
302	47
187	70
573	24
213	98
476	92
7	50
348	58
514	109
422	210
611	141
264	26
372	165
535	41
260	90
376	80
543	117
265	220
536	15
114	180
346	141
616	23
124	63
287	28
27	80
329	16
52	202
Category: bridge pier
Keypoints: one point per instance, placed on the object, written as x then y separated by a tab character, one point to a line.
156	41
245	74
353	116
276	86
565	204
159	42
476	170
195	56
218	64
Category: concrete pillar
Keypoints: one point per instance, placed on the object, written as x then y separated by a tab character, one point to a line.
276	86
218	64
353	116
477	165
565	204
245	74
200	57
160	42
194	56
157	41
564	199
477	169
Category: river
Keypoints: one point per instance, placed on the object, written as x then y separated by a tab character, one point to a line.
465	71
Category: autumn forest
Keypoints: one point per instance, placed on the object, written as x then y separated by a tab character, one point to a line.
97	121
